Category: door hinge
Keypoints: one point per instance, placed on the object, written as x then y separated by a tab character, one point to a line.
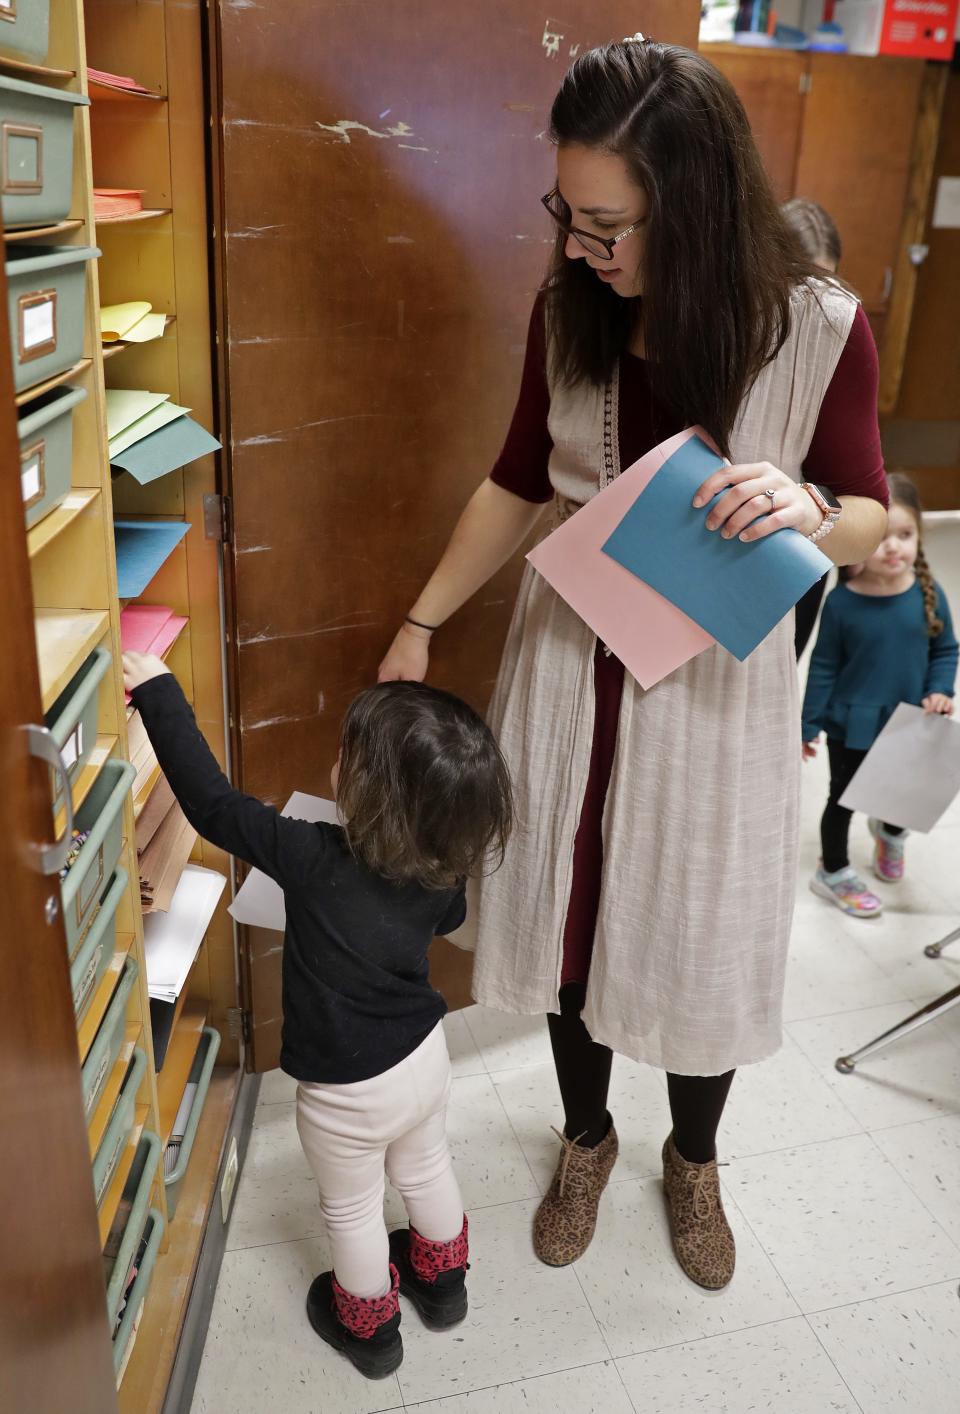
218	518
238	1023
806	83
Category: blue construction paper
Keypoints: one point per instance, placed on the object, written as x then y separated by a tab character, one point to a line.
738	591
142	547
165	450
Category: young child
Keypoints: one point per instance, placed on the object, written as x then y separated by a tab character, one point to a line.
885	638
425	800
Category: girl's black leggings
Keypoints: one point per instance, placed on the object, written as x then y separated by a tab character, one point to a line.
835	822
583	1072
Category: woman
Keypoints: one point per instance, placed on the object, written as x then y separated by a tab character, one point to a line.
817	233
650	881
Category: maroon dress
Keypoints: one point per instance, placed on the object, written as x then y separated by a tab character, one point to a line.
844	455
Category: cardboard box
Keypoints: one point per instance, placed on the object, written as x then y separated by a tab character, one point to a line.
920	29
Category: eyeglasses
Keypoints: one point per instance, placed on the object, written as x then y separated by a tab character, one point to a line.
600	246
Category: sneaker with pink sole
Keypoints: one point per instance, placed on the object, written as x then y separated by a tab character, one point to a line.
846	889
887	853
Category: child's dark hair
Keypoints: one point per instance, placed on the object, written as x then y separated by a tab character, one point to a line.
423	790
904	493
814	228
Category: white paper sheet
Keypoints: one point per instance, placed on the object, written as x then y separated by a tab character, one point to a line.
259	901
911	773
172	940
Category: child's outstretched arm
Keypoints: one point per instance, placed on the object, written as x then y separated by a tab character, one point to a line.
825	664
942	667
238	823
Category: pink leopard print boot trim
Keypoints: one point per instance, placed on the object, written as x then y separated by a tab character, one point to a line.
428	1259
364	1315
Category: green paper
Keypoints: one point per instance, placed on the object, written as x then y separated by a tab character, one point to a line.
150	422
126	405
167	450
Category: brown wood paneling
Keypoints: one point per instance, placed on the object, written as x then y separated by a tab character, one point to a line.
382	244
930	387
54	1341
855	154
769	86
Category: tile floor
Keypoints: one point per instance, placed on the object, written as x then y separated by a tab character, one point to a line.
843	1191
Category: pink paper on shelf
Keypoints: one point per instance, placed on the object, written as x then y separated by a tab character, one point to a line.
140	624
149	628
649	635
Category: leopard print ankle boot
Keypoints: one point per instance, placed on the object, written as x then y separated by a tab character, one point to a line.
566	1219
701	1234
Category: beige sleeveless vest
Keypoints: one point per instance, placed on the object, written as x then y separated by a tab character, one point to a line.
700	824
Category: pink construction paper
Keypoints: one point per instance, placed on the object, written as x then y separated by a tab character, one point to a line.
149	628
140	624
650	636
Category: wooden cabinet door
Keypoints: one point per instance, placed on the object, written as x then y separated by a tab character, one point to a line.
855	151
54	1338
770	86
381	246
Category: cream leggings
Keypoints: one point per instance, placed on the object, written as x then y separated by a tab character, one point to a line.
395	1122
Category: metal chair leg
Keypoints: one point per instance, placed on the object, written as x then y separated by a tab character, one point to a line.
935	949
845	1064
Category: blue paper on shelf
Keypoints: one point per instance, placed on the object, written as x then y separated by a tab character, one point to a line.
166	450
142	547
738	591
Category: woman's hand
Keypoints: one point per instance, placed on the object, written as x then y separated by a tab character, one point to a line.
408	656
139	668
938	702
809	749
760	500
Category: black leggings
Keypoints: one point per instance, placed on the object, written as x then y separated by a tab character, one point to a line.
583	1072
835	821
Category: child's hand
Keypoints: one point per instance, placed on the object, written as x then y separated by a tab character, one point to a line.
139	668
938	702
810	749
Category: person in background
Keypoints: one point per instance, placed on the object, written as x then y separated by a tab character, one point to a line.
425	798
885	637
819	239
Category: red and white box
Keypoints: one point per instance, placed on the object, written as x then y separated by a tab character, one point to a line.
919	29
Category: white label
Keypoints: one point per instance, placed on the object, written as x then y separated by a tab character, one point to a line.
30	471
38	324
946	210
73	747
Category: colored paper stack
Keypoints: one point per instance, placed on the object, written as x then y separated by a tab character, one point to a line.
150	436
114	203
131	323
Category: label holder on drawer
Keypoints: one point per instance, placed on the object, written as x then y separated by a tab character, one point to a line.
26	132
33	474
36	325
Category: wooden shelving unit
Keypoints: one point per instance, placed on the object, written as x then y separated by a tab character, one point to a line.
153	141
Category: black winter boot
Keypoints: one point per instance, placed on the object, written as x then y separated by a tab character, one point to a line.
364	1329
432	1275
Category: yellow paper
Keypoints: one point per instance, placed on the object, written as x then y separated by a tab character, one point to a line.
116	320
151	326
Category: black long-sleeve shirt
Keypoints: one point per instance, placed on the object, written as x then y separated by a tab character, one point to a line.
357	997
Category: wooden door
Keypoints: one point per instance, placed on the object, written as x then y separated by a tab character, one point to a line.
855	153
54	1338
770	85
381	245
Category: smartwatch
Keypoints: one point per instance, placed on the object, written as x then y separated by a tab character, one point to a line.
828	506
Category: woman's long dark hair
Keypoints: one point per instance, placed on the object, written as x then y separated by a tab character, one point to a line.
719	261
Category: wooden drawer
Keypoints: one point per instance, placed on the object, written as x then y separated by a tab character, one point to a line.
73	718
46	297
91	962
86	882
46	451
36	152
25	28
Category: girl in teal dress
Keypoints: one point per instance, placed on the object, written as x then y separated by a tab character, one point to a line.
886	637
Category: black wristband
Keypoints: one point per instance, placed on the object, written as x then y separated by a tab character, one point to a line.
429	628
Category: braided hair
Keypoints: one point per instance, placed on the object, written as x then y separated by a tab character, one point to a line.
904	493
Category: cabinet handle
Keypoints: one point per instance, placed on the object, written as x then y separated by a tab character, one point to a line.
887	282
50	858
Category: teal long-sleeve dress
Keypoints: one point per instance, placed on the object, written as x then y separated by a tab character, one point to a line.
872	653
